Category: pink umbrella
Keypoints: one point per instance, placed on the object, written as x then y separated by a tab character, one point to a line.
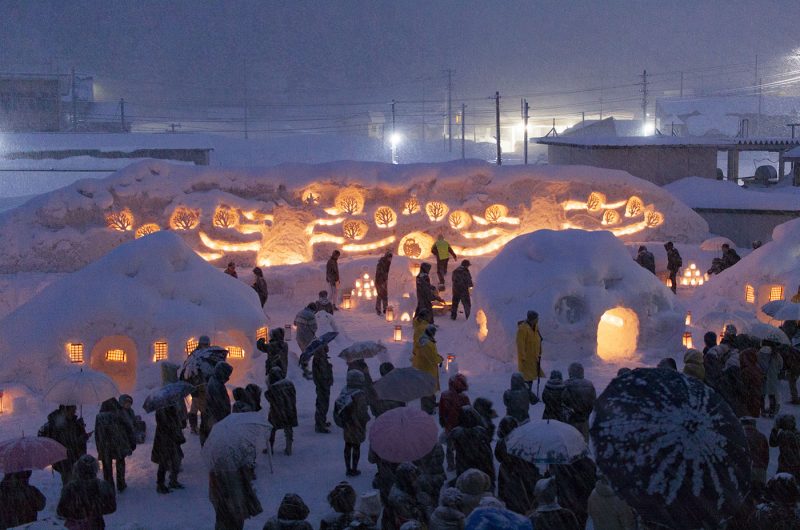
403	434
22	454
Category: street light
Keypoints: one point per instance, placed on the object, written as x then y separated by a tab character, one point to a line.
394	140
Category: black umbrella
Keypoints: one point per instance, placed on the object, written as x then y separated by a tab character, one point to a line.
167	396
316	343
672	448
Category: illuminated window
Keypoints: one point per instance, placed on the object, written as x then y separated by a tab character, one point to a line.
159	351
261	333
116	356
191	345
776	293
75	352
235	352
749	294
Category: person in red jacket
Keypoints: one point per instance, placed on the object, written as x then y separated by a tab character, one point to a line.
450	403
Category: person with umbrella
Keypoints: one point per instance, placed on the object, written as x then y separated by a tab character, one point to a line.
113	435
86	499
167	452
529	348
198	379
516	478
382	283
64	426
232	495
218	403
351	413
462	283
332	276
20	503
282	398
306	323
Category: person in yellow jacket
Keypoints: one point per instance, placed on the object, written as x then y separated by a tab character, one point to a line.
428	359
529	348
442	251
421	321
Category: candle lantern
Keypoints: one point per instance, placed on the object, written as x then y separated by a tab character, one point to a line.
687	340
398	333
415	269
405	317
347	301
688	318
287	332
389	313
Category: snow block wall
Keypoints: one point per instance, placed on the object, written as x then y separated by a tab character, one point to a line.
151	290
592	298
293	214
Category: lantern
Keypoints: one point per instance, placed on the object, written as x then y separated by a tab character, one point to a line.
687	340
668	282
287	332
347	301
688	318
2	410
405	317
415	269
398	333
358	284
705	276
692	266
685	281
450	365
366	276
389	314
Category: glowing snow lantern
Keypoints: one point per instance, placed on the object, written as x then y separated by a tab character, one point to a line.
685	281
415	269
389	314
191	345
75	352
405	317
688	318
595	201
687	340
160	351
2	409
287	332
436	210
235	352
121	221
398	333
184	218
347	301
146	229
617	334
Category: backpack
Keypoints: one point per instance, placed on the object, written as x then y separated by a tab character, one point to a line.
341	408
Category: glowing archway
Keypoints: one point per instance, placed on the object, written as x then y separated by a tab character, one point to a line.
617	335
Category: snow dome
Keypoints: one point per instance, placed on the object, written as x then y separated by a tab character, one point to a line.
146	301
592	298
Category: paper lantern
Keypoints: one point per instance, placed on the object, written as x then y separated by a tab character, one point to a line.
688	318
389	314
347	301
398	333
687	340
287	332
405	317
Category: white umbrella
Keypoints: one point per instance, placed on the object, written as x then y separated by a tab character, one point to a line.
770	308
715	243
789	311
362	350
85	387
233	441
762	331
547	442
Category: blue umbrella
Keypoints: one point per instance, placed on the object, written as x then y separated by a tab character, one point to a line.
492	518
167	396
316	343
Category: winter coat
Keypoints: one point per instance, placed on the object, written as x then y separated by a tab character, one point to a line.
86	499
282	398
332	270
516	480
788	442
338	521
306	322
529	350
20	503
321	369
168	439
474	485
451	402
714	364
518	398
323	304
218	403
382	271
646	259
402	502
277	351
730	257
776	516
693	364
472	444
486	413
69	432
553	399
356	416
579	395
771	363
260	287
462	280
369	386
575	483
446	518
253	395
554	517
609	512
759	447
419	327
231	494
113	432
426	292
733	390
432	475
674	260
292	515
427	358
752	381
385	477
442	250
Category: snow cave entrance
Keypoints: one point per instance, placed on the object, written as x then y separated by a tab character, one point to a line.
116	356
617	334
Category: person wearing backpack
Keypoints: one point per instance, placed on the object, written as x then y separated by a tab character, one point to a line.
674	263
350	412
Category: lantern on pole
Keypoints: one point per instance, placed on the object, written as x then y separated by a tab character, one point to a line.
398	333
687	340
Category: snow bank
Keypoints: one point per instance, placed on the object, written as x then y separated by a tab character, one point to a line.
294	213
571	278
699	192
152	289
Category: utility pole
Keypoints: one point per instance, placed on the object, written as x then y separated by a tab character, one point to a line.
74	103
525	109
393	117
122	113
450	110
245	99
681	92
173	125
463	114
497	120
423	111
758	85
644	100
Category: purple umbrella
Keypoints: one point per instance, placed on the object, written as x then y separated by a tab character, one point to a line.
403	434
22	454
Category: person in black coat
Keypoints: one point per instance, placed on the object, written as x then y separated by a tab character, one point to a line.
379	406
579	397
282	398
674	263
352	415
462	281
254	396
369	385
553	398
549	514
646	259
20	503
86	499
485	408
64	426
241	401
575	483
322	374
277	350
218	403
432	475
382	283
232	495
291	515
167	452
383	481
342	499
472	444
115	440
260	286
426	292
519	398
516	479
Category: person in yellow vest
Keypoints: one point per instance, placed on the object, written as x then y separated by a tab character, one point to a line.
529	348
428	359
442	251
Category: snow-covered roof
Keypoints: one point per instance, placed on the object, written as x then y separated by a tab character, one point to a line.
792	153
632	141
770	105
699	192
104	142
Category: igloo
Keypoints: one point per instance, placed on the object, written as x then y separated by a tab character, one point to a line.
592	299
146	301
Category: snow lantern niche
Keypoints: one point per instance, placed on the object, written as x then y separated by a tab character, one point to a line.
116	356
617	334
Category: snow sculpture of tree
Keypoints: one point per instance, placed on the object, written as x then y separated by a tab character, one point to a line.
411	248
311	198
456	220
385	217
410	206
652	218
146	229
354	230
495	213
436	210
349	201
634	206
184	218
595	201
121	221
610	217
225	217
